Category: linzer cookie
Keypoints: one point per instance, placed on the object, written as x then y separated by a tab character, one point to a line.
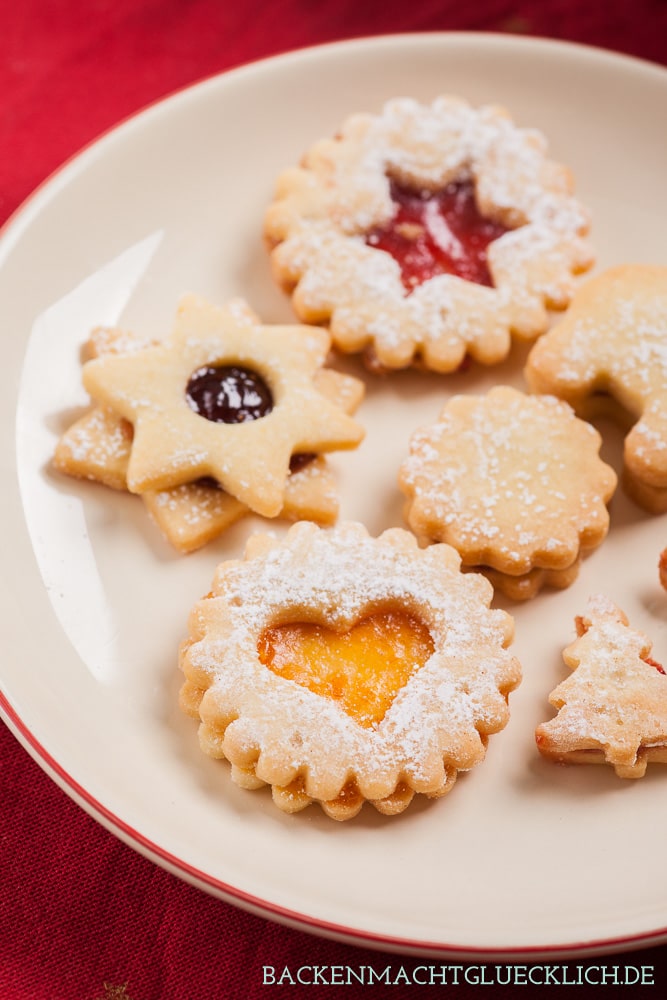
428	232
99	446
613	708
338	668
608	355
514	483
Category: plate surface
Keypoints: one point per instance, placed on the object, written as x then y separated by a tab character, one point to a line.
523	858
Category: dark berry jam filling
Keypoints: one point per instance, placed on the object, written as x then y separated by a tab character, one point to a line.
228	394
300	460
440	232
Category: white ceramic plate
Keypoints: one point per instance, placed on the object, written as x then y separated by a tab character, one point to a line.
523	858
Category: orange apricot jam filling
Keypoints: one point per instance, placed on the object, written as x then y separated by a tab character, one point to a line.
362	669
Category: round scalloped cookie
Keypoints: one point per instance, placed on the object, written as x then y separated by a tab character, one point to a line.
514	483
333	215
305	738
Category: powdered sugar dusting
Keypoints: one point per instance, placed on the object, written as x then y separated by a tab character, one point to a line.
615	701
622	347
173	445
477	480
343	191
613	342
98	439
336	576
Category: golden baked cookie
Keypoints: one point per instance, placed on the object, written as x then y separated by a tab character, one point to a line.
224	397
514	483
98	447
607	355
613	708
338	668
662	568
428	232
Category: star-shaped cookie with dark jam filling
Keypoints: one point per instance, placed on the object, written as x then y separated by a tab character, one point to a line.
225	398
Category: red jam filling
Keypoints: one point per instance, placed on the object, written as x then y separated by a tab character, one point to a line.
654	663
228	394
439	232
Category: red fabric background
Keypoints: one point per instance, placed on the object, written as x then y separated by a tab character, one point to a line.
82	917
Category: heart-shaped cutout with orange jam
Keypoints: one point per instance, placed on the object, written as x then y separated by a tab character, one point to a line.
362	668
339	668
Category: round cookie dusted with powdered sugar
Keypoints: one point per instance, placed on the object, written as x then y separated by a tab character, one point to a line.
428	232
609	355
273	699
514	483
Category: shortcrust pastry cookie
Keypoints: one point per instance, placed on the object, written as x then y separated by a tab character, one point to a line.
428	232
613	708
338	668
608	356
514	483
98	446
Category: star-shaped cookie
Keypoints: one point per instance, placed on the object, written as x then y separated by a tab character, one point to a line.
174	444
98	445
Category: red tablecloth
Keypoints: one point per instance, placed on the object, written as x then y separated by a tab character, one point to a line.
82	916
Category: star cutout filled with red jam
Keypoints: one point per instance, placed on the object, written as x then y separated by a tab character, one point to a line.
437	232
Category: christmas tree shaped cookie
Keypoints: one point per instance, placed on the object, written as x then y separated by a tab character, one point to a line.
613	708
